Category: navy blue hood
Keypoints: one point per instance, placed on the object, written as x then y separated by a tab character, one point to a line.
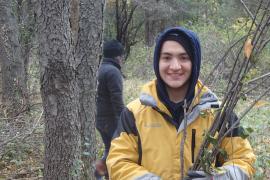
196	63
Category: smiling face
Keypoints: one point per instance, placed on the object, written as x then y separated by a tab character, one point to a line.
175	66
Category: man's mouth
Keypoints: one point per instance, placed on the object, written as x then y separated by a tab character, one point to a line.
176	75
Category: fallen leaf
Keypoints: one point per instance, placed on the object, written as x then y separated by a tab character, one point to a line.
260	104
248	48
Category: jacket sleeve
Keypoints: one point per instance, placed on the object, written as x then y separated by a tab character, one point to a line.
115	87
240	154
123	159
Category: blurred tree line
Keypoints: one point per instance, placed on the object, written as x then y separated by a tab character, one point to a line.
219	23
129	21
132	21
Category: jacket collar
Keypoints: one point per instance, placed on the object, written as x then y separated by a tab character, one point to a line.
112	62
206	99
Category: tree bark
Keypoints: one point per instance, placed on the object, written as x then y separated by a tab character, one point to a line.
12	65
59	91
88	52
70	36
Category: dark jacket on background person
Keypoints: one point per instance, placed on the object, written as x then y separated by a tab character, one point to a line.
109	96
109	99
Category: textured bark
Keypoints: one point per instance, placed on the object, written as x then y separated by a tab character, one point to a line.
70	36
12	65
27	23
60	92
88	53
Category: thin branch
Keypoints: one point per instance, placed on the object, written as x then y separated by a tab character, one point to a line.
246	111
251	89
250	107
223	58
130	16
26	135
248	11
183	140
34	127
264	44
233	90
258	78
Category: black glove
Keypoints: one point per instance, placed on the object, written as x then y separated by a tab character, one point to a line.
220	174
197	175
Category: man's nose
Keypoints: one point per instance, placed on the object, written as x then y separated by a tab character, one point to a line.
175	64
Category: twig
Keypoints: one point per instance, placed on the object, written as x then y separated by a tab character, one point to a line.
258	78
214	69
26	135
233	91
250	107
183	140
264	44
24	109
245	112
251	89
34	127
255	35
9	140
248	11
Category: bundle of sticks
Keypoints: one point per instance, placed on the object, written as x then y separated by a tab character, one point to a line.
252	45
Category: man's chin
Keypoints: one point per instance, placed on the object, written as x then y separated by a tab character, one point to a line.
177	85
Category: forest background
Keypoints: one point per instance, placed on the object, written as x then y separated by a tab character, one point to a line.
218	23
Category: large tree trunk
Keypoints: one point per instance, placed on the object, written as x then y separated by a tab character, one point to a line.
70	34
12	64
59	91
88	52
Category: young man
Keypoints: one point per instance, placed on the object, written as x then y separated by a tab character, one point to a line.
109	97
146	144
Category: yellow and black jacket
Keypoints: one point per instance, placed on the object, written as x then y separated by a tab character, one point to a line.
147	145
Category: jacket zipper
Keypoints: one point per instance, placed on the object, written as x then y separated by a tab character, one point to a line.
193	142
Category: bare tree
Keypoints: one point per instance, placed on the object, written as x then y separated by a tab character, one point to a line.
155	19
70	34
127	22
126	31
129	17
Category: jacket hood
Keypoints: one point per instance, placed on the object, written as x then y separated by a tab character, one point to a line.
196	63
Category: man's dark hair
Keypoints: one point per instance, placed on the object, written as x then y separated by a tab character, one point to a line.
183	40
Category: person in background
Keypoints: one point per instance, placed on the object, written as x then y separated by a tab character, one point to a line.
109	98
147	142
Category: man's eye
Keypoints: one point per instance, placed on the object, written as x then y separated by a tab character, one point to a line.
166	57
185	58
